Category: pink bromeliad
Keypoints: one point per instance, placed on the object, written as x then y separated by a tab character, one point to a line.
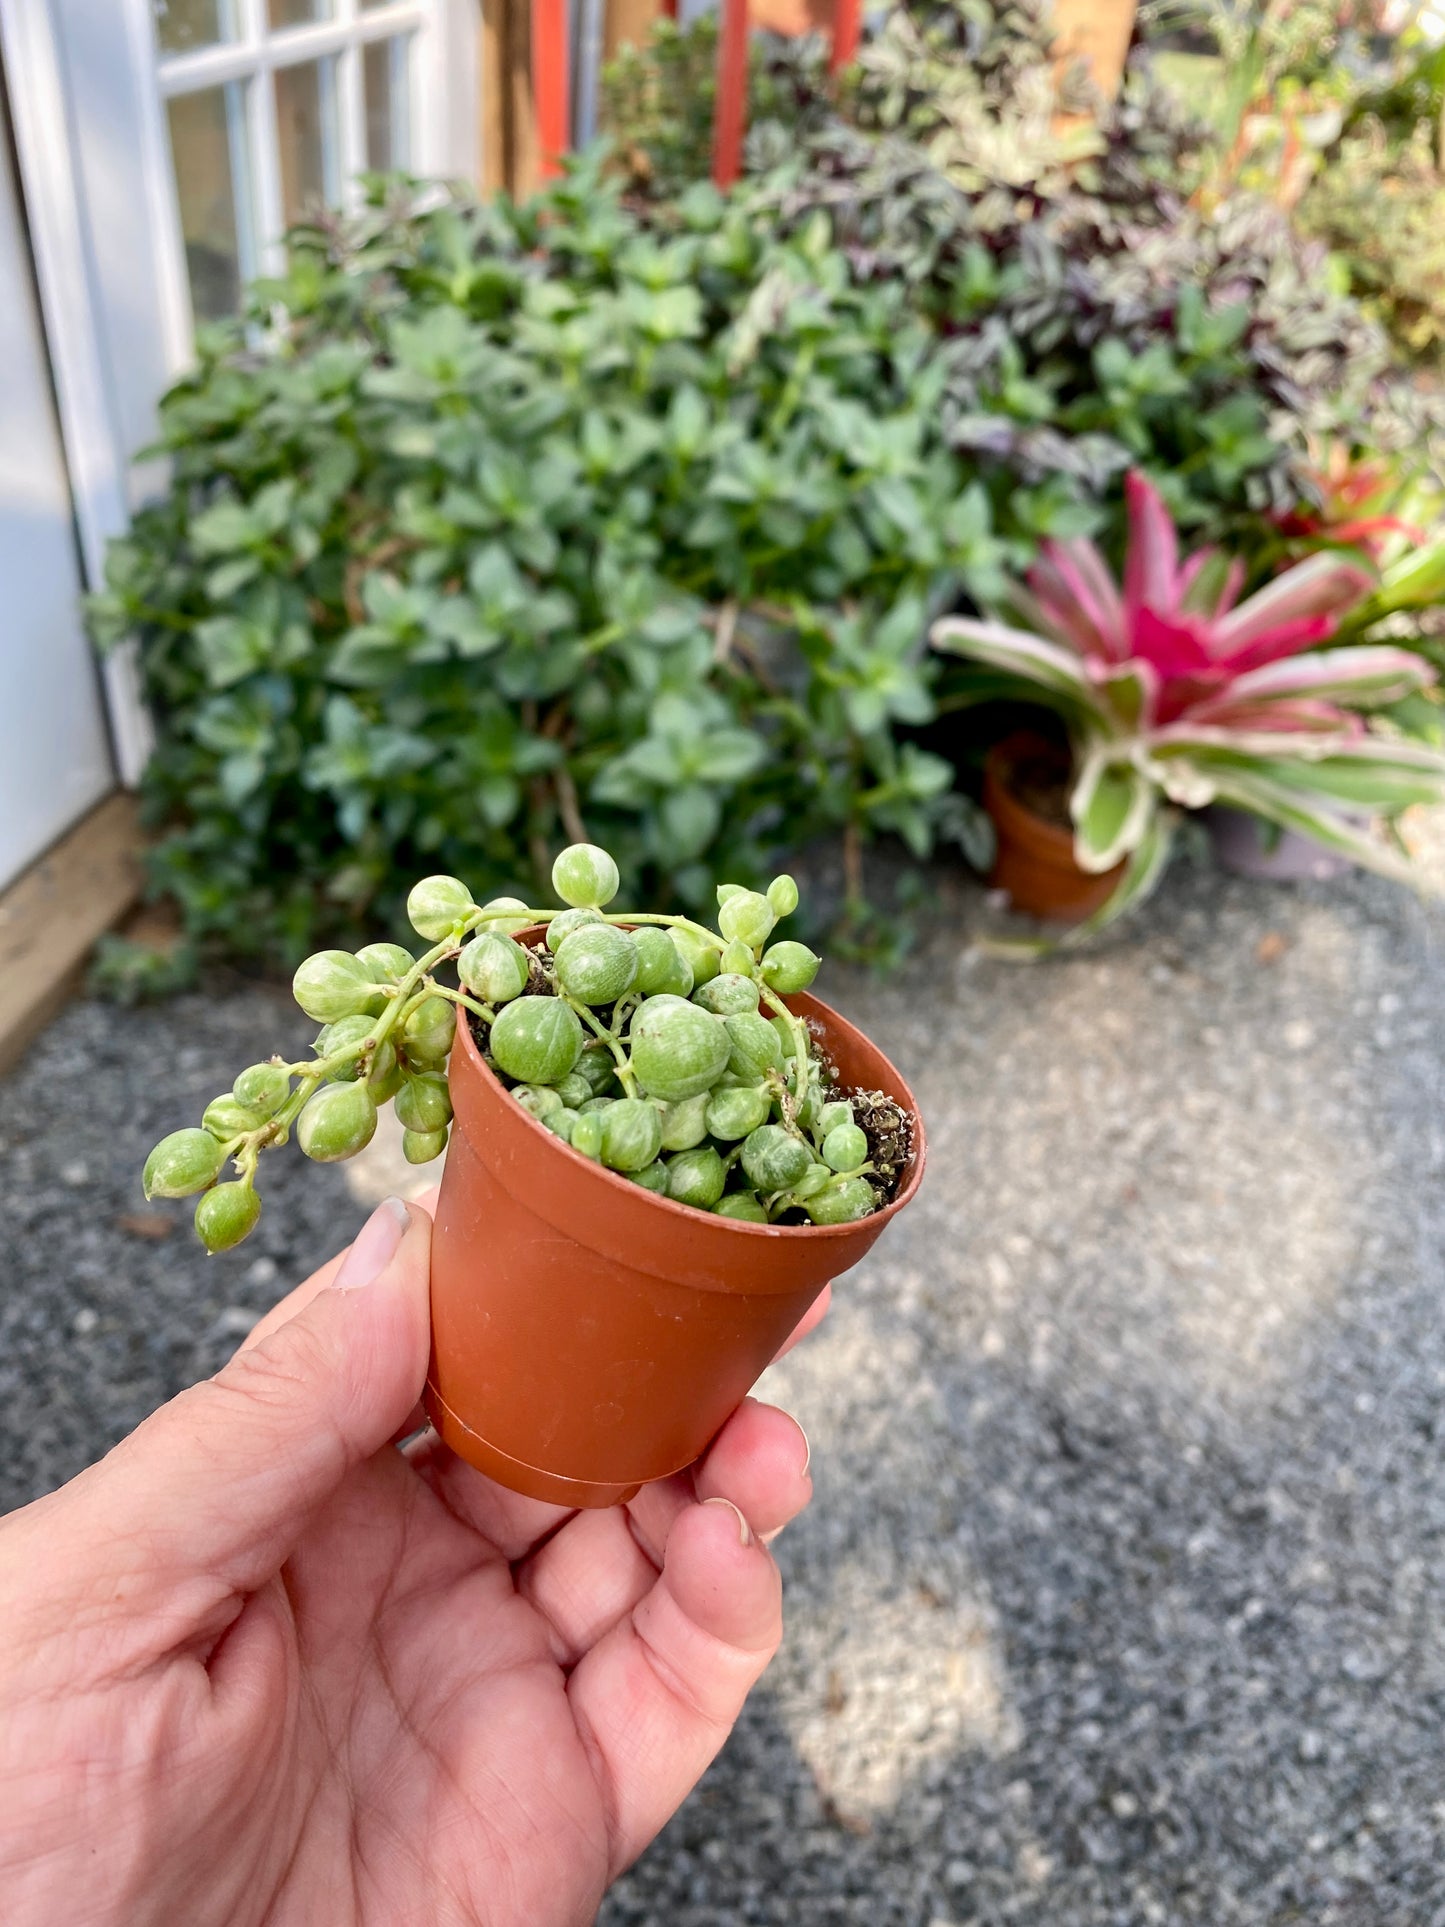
1178	631
1176	691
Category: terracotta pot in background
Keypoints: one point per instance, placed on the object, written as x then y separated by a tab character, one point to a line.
1097	32
589	1336
1035	862
792	16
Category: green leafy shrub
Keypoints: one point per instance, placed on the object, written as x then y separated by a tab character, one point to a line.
622	514
492	524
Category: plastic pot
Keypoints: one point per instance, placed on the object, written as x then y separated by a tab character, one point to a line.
589	1336
1035	861
1097	32
1247	846
792	16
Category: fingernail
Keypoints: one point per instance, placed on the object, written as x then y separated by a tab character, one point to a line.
375	1243
745	1536
807	1450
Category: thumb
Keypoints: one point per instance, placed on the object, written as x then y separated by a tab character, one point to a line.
218	1485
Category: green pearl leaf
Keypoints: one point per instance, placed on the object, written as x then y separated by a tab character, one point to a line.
185	1162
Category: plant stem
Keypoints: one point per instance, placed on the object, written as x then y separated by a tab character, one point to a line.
495	916
701	930
484	1011
625	1074
800	1038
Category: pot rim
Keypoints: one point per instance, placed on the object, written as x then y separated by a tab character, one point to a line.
1055	838
689	1214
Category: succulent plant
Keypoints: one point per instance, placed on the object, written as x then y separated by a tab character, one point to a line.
1174	691
699	1084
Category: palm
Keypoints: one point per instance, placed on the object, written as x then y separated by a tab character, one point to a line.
434	1714
450	1663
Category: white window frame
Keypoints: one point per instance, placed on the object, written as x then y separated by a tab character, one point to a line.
441	114
80	288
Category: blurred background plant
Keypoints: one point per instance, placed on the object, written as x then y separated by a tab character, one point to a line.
1337	112
1095	307
658	99
1177	695
623	514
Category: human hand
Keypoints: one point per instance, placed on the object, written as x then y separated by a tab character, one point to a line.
258	1665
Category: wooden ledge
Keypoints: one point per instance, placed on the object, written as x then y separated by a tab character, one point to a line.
51	915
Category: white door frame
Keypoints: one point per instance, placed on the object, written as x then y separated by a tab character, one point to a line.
50	128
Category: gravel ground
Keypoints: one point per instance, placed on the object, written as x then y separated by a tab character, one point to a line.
1119	1601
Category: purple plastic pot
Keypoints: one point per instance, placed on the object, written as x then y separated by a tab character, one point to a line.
1249	847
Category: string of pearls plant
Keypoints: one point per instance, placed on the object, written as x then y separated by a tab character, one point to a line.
652	1044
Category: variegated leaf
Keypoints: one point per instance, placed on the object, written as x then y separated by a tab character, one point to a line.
1324	584
1131	691
1111	804
1362	677
1376	773
1292	811
1048	663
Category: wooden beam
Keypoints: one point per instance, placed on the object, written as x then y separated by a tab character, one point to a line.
629	22
551	102
524	159
847	26
731	112
495	118
52	914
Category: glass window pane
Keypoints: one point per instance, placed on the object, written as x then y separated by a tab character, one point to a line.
208	152
306	135
296	13
183	24
388	134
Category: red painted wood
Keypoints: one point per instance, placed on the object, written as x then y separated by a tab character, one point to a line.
549	82
847	21
730	112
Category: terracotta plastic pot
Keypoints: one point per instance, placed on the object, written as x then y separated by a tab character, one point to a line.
1249	847
1035	862
589	1336
1097	32
792	16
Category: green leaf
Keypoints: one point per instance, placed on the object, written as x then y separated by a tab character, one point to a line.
231	649
1112	804
223	528
228	577
688	820
728	755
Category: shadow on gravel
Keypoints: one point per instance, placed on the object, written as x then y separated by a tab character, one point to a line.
1117	1601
